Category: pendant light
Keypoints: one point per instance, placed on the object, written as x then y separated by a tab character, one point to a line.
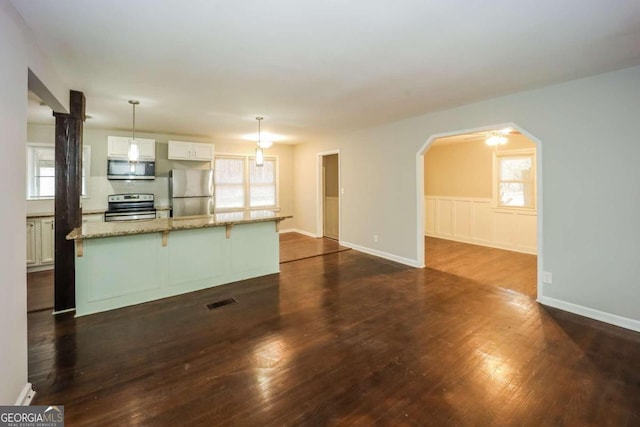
259	151
133	152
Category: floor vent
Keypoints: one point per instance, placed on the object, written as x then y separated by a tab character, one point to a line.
221	303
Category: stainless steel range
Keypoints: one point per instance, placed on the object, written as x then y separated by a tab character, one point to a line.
130	207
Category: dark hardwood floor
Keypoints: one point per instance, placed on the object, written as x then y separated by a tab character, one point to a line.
488	266
295	246
340	339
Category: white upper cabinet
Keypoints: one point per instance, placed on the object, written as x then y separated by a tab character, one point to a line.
118	148
179	150
202	151
147	149
182	150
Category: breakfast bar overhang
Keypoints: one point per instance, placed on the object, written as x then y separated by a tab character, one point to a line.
127	263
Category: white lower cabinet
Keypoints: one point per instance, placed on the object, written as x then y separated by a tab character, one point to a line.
47	240
41	243
31	242
41	240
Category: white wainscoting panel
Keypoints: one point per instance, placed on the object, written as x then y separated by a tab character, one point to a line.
526	234
476	221
430	213
444	218
461	218
504	225
482	230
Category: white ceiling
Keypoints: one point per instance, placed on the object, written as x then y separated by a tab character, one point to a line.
209	67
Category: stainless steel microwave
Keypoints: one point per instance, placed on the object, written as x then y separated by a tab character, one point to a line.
123	169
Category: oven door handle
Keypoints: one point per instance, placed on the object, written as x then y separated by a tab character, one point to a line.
109	217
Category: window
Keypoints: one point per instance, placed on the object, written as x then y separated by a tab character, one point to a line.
262	184
41	170
515	179
230	186
240	184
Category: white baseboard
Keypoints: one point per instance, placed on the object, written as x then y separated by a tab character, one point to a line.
26	396
63	311
385	255
304	233
37	268
613	319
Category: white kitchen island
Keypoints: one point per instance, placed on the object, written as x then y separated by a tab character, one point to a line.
125	263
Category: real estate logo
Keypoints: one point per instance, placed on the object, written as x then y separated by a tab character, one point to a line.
32	416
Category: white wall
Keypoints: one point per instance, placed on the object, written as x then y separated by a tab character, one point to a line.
590	205
18	54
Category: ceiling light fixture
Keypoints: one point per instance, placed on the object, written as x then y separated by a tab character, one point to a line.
259	151
265	143
133	152
495	138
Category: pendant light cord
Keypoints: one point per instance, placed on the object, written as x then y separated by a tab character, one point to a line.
133	104
259	120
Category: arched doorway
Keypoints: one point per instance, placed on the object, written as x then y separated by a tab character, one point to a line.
480	206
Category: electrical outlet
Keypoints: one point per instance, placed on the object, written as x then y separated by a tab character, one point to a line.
375	238
342	190
547	277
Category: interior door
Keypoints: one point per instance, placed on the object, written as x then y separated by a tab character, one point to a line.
331	196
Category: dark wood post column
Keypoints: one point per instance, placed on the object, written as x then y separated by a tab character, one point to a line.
68	214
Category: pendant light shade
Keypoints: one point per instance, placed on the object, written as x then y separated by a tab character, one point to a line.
259	157
133	153
259	150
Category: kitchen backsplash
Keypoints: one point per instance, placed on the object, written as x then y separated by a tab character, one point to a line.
100	187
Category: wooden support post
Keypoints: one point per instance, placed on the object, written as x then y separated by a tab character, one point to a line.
165	238
68	214
228	231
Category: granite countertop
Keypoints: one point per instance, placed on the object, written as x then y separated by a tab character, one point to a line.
84	212
48	214
92	230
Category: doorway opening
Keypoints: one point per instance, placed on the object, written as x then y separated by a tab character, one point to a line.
480	207
329	190
40	235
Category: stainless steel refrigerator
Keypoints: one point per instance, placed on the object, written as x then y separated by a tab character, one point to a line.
191	192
